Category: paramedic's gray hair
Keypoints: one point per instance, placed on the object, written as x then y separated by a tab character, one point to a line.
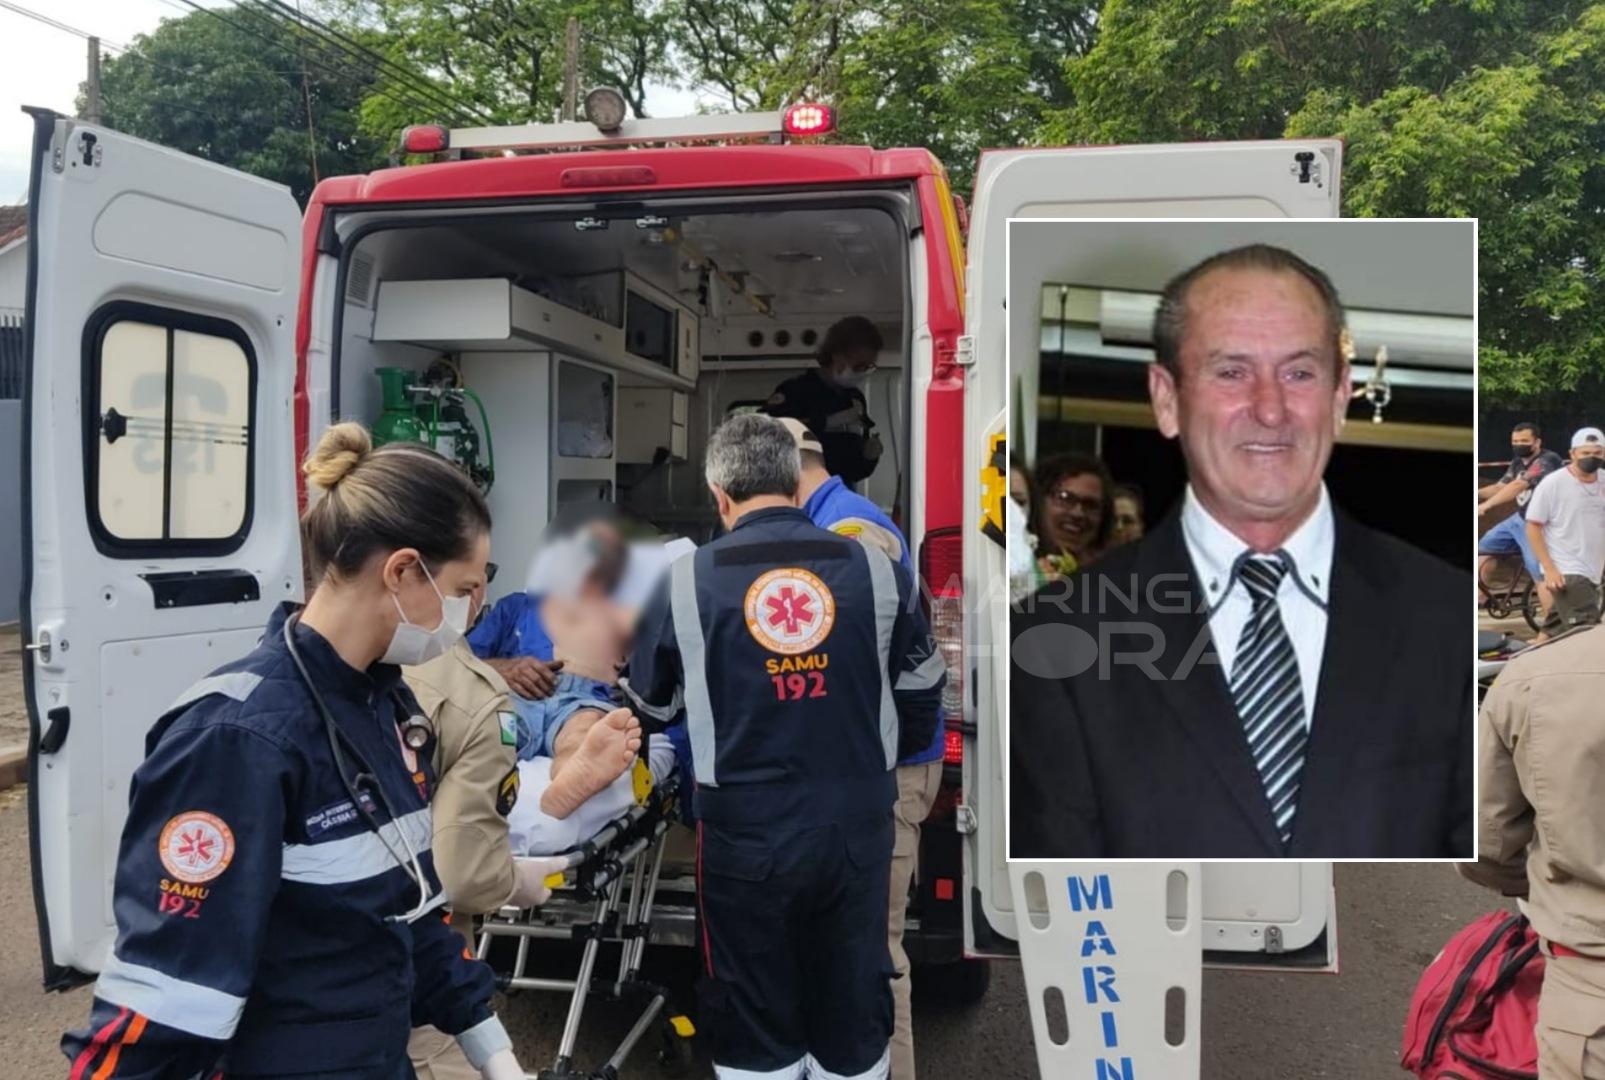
751	455
1170	320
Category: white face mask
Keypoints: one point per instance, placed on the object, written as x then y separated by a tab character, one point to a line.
850	380
411	644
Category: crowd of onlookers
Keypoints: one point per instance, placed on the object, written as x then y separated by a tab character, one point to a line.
1075	511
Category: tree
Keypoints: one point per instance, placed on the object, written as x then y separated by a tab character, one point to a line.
953	76
505	57
1492	109
234	92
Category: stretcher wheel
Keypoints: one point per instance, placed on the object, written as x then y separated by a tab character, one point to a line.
676	1054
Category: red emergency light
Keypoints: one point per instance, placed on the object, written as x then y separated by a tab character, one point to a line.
806	119
425	139
953	746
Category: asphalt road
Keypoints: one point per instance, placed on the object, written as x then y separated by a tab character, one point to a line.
1393	918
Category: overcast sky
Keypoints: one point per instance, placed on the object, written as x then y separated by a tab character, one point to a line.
41	65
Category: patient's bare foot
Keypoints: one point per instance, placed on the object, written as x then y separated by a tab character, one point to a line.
610	746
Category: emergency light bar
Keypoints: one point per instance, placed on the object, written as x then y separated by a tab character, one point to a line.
804	120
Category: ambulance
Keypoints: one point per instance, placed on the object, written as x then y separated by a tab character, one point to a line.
609	290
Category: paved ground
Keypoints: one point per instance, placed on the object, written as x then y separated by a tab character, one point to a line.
1393	918
13	717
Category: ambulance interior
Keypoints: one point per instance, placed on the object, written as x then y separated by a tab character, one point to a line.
597	351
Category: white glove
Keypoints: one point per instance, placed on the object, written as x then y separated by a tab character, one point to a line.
502	1066
529	881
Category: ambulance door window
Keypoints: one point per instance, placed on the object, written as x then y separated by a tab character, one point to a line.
169	431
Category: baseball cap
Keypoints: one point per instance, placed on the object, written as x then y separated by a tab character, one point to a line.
805	439
1588	436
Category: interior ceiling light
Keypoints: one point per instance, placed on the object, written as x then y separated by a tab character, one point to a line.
796	257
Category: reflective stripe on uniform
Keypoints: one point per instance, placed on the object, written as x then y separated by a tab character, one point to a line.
930	671
693	661
663	714
483	1041
883	584
789	1072
878	1071
190	1007
359	857
235	685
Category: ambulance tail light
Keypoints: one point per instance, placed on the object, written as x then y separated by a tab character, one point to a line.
806	119
953	746
942	571
425	139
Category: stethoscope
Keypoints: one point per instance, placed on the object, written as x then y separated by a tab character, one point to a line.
415	732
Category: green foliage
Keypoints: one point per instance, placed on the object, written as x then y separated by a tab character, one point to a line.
235	95
1493	109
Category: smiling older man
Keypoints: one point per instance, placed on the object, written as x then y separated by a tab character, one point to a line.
1260	675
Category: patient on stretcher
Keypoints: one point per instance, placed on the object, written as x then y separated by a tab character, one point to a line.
576	747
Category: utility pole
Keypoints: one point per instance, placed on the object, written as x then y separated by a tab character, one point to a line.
571	71
92	93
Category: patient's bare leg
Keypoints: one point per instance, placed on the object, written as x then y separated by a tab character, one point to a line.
592	751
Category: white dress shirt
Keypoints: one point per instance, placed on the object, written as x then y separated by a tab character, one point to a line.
1214	549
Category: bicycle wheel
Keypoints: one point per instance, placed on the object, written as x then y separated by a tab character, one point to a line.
1498	605
1529	606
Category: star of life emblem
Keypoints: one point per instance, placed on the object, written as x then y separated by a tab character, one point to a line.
790	611
196	846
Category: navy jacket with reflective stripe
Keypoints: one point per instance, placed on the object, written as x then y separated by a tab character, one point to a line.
251	899
802	663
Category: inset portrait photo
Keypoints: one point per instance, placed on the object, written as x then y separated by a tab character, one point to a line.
1242	622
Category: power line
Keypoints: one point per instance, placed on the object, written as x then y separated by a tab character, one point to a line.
412	105
419	81
57	24
343	59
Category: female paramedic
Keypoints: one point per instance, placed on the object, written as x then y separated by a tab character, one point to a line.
277	909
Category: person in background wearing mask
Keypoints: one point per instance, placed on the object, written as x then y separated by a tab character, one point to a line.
1530	463
1128	515
276	903
476	760
1075	512
1566	528
830	398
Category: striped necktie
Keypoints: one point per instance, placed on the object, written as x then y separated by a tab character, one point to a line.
1269	693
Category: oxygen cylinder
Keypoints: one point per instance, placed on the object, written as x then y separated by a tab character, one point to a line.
397	422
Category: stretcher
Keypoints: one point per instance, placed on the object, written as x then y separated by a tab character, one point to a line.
605	893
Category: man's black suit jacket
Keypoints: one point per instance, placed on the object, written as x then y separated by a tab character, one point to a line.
1124	741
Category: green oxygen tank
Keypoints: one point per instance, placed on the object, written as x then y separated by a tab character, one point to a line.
398	422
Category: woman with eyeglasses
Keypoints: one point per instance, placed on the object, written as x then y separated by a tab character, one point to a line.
277	908
1074	511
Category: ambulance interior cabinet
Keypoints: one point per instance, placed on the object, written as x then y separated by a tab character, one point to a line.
651	418
584	436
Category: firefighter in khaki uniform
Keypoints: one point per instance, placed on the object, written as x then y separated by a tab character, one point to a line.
476	759
1541	768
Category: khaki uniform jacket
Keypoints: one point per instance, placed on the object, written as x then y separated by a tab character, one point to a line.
477	765
1541	786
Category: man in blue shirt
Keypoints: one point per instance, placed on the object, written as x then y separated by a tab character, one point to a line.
831	504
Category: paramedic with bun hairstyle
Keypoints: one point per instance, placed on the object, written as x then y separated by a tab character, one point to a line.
804	669
830	398
276	903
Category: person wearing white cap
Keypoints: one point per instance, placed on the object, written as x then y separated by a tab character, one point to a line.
1566	527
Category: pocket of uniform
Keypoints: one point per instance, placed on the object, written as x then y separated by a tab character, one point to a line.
870	843
744	859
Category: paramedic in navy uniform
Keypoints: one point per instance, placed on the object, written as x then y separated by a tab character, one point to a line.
830	398
265	926
805	670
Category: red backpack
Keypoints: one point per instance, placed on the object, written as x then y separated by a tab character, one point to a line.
1474	1013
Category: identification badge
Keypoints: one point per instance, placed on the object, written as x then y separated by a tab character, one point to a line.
507	792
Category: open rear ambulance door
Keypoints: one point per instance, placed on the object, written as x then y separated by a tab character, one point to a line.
159	504
1292	178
